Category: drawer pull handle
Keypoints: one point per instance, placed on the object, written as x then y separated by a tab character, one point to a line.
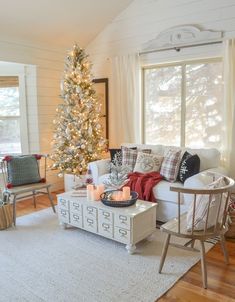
106	214
90	210
76	206
123	218
63	213
105	226
76	217
63	202
123	233
90	222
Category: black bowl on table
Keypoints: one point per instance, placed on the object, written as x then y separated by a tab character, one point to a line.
106	198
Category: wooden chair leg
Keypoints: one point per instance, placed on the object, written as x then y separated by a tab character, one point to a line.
14	210
203	264
164	252
34	199
192	243
223	245
51	200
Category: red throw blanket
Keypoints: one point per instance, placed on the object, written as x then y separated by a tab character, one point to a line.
143	184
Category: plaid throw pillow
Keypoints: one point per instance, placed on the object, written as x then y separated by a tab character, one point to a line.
129	156
170	165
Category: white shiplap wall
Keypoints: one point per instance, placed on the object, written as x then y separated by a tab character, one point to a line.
44	69
143	20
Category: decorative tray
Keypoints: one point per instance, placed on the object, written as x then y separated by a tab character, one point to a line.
107	198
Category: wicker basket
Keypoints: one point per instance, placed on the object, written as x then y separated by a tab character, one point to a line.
231	231
6	217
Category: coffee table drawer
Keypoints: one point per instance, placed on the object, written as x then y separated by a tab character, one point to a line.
76	220
75	207
105	229
105	216
63	203
63	215
90	224
90	212
122	221
122	235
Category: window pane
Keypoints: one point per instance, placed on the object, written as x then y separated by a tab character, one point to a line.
9	101
162	92
204	105
10	136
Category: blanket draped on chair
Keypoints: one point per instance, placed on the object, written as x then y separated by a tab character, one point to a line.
143	184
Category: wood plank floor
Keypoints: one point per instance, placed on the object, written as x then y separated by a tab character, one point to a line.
221	277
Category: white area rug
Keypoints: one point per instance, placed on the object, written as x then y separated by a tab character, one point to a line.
39	261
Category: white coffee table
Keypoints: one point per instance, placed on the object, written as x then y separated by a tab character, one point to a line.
127	225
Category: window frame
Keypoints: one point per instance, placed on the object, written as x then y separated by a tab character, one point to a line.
183	90
19	71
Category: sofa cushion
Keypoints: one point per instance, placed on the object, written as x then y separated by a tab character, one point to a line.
129	156
170	165
189	166
162	191
113	153
209	158
147	162
156	149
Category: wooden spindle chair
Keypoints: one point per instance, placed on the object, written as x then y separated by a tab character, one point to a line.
20	191
215	225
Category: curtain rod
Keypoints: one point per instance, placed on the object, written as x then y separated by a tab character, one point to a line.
178	48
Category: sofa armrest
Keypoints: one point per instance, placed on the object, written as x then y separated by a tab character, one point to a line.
98	168
204	178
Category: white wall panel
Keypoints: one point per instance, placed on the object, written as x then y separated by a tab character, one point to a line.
143	20
43	92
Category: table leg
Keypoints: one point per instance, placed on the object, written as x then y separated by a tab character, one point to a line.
130	248
63	225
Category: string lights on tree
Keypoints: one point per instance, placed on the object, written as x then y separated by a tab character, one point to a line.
77	136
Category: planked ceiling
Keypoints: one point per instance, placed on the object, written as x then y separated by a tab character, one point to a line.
56	23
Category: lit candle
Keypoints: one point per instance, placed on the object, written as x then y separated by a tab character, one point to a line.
120	195
97	194
100	188
92	195
126	193
90	189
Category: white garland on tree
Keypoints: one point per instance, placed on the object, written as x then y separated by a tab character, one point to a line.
78	133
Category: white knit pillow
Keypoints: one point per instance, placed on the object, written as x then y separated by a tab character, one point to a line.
147	162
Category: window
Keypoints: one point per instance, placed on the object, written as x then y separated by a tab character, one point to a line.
13	109
9	115
183	104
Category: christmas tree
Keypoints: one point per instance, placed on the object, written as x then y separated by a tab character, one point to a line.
77	135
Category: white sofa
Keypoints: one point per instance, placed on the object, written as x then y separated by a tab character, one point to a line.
166	199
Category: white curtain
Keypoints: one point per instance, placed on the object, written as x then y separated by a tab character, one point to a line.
125	120
228	152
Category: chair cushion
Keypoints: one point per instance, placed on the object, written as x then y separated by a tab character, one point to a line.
189	166
170	165
23	170
147	162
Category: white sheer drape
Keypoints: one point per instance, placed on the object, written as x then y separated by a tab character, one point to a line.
228	151
126	120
